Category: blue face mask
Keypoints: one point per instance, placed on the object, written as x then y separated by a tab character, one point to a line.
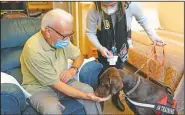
60	44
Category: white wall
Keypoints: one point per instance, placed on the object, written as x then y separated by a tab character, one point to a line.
171	14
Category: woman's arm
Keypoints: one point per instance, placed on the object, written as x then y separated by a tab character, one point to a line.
141	19
91	23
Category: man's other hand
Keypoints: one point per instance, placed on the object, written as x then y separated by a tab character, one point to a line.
67	75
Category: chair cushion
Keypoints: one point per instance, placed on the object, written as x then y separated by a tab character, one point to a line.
89	73
16	31
13	91
10	58
29	110
16	73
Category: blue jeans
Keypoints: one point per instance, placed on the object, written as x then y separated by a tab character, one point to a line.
12	99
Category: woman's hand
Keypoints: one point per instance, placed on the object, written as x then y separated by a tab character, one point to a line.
104	52
159	42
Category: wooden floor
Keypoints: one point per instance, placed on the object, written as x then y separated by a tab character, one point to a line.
110	109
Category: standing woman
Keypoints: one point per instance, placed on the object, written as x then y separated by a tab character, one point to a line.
108	28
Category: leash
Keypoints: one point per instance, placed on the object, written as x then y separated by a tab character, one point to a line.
151	73
142	66
157	107
155	57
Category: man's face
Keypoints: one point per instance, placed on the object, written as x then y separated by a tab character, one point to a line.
61	32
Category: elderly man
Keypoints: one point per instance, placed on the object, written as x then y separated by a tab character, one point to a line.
44	67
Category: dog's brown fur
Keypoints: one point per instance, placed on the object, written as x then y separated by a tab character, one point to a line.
110	83
114	80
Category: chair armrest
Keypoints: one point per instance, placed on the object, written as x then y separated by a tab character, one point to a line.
89	73
11	92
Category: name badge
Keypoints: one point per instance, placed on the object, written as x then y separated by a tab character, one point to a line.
106	24
123	54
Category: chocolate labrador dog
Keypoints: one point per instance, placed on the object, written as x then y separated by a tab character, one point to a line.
136	89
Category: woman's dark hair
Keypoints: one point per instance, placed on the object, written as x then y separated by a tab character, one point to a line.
98	5
127	3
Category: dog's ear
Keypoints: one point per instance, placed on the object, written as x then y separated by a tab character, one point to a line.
113	89
104	74
116	85
107	82
116	81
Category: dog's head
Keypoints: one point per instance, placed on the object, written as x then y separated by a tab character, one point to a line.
110	83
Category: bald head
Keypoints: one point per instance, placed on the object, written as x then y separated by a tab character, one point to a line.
55	17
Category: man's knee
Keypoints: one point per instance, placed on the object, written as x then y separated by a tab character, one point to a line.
87	89
46	103
82	87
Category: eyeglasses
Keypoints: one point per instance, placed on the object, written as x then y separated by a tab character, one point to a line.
64	37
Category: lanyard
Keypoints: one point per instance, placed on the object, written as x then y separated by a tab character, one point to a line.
107	25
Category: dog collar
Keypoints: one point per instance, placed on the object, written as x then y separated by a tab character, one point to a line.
135	87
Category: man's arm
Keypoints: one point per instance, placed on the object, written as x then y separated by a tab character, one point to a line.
70	91
72	52
69	74
46	76
78	62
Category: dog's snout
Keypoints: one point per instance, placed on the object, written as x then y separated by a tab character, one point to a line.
102	92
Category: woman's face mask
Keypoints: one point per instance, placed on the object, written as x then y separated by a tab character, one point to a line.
60	44
110	9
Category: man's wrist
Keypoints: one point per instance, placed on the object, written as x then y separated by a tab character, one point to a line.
76	69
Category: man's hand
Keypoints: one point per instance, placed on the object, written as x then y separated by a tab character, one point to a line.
93	97
67	75
159	42
104	52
